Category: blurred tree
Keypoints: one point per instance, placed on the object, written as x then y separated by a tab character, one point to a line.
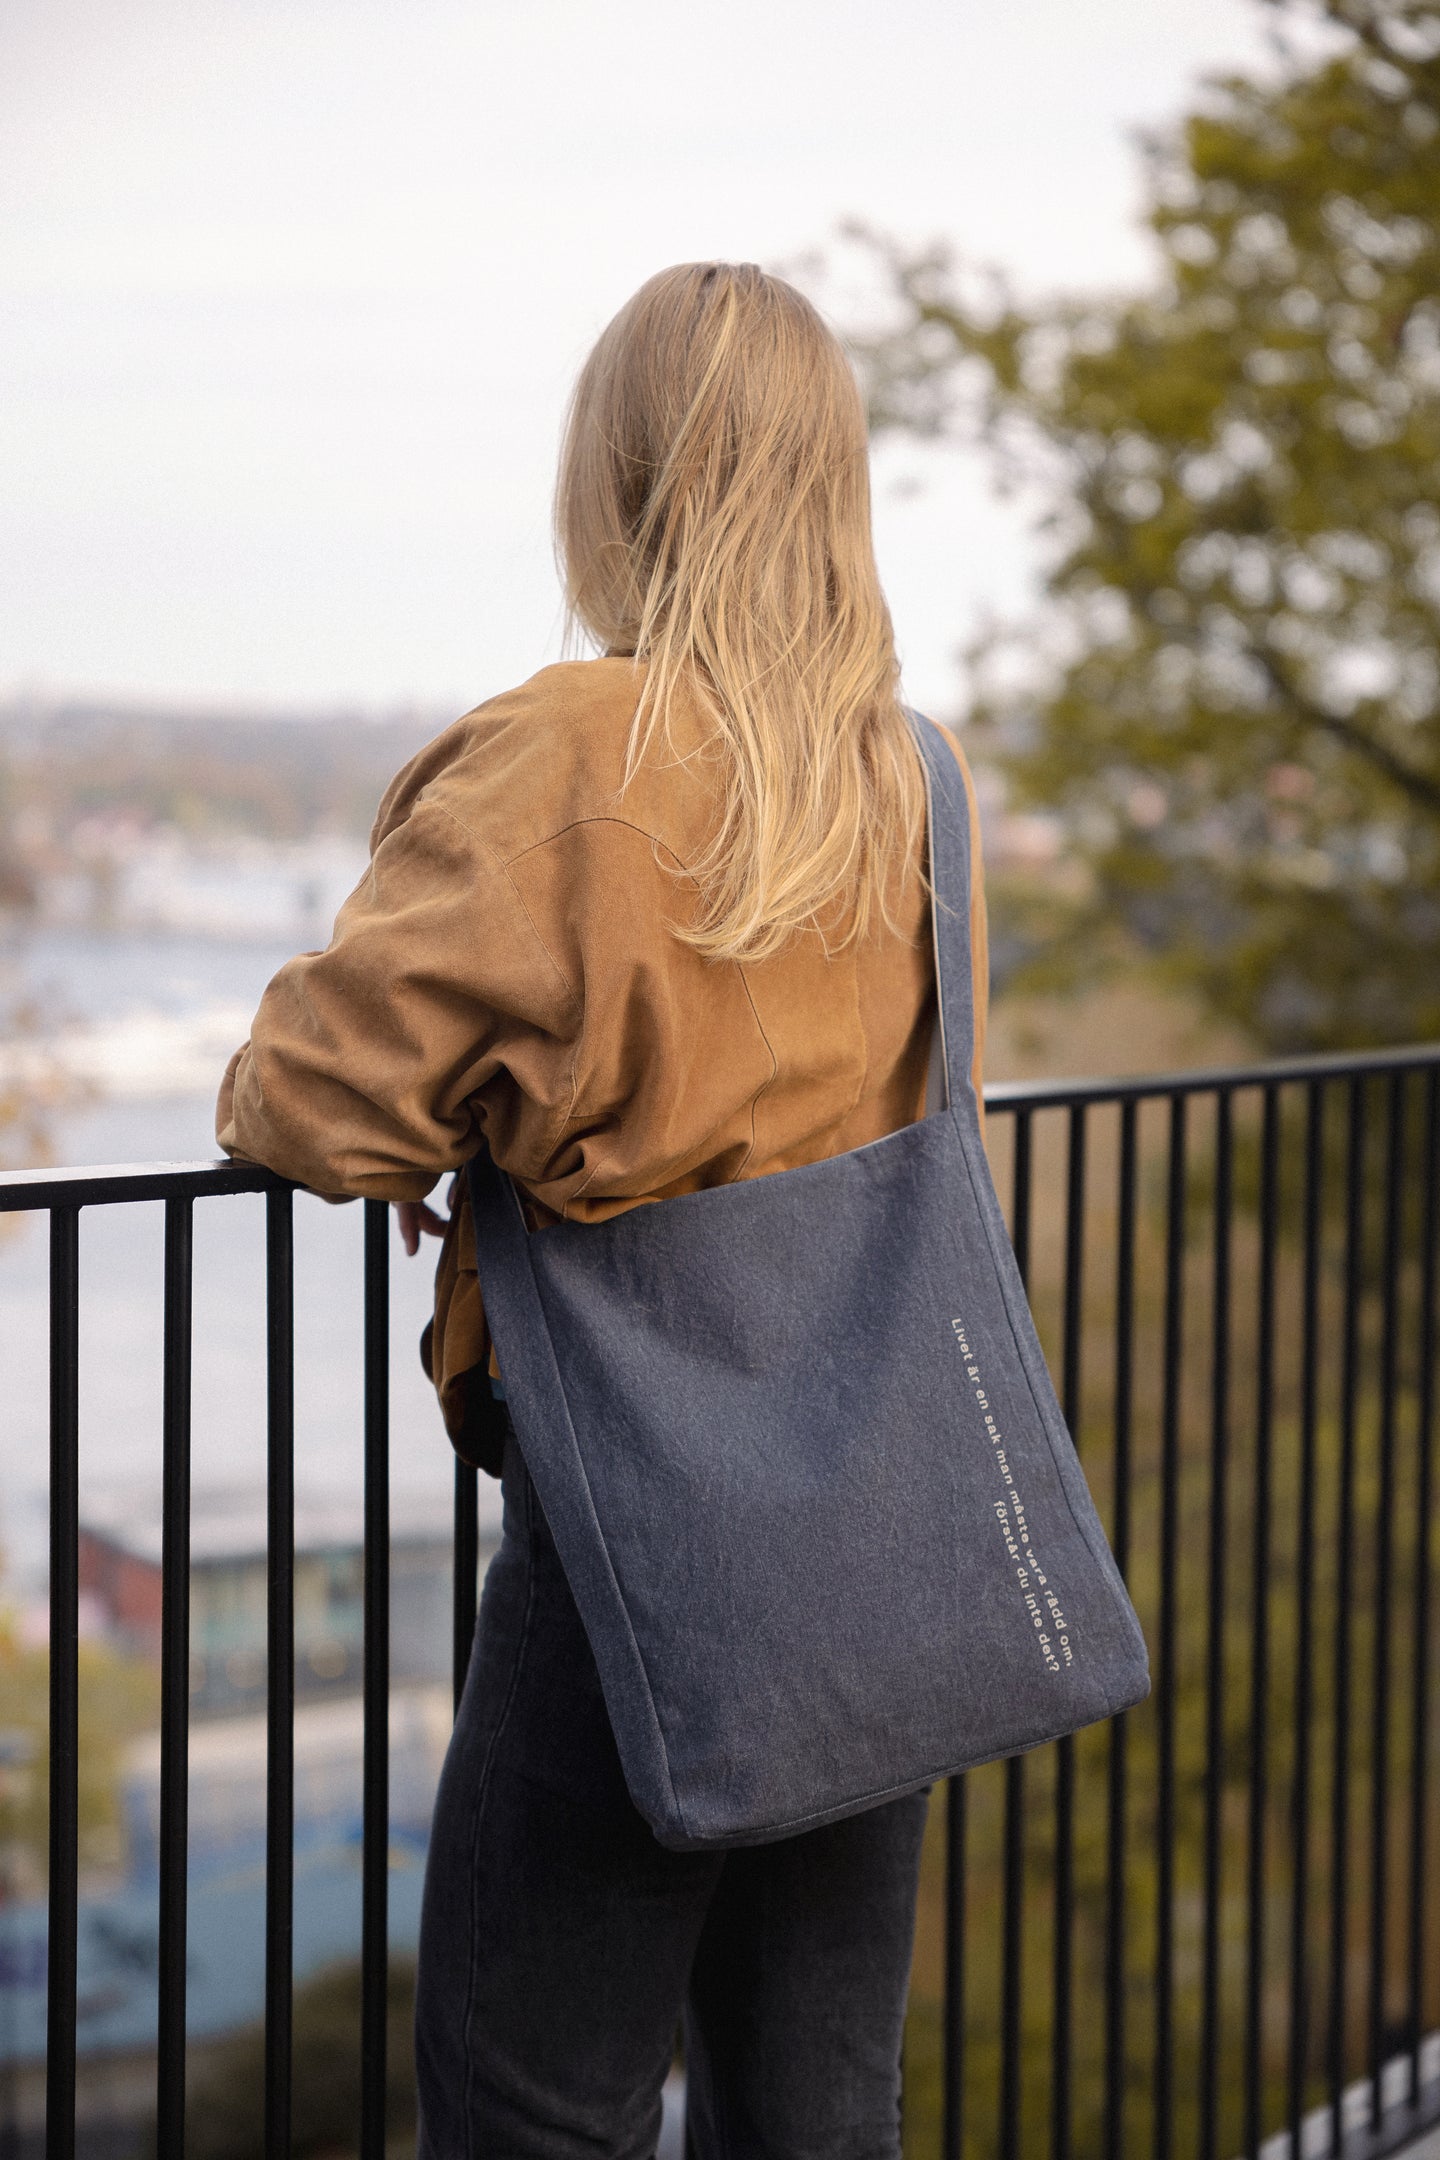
33	1084
1232	696
225	2112
119	1698
30	1083
17	889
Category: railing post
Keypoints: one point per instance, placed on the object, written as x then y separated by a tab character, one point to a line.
1260	1623
1124	1376
1382	1721
1165	1677
1300	1988
1215	1642
1350	1347
64	1796
1073	1404
174	1683
953	2052
280	1669
375	1833
1012	1939
1420	1704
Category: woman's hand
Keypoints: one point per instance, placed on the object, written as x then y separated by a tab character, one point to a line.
414	1217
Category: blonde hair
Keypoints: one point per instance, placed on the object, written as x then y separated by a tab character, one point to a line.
712	519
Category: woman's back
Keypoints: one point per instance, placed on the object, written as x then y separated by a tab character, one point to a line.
509	968
650	923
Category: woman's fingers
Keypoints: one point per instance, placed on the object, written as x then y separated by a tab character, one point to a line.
415	1218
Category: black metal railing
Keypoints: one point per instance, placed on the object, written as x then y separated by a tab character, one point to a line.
1211	1922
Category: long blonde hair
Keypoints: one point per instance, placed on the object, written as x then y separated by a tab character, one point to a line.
712	518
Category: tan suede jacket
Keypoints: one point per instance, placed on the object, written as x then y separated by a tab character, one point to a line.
506	968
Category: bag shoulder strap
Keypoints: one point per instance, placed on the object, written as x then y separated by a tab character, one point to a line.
950	872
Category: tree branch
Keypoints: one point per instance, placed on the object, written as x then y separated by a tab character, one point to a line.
1411	781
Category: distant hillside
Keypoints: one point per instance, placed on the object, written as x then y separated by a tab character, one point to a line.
282	777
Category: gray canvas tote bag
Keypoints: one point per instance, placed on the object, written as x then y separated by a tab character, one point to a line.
803	1463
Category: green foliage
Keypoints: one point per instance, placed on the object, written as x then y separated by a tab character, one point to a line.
1231	697
119	1698
17	889
225	2106
31	1084
26	1095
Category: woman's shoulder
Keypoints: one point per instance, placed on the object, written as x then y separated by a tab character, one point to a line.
537	760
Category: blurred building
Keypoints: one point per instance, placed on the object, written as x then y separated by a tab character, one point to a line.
120	1581
228	1782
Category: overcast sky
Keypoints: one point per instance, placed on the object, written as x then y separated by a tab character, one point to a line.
292	292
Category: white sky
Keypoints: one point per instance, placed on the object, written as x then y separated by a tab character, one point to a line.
292	291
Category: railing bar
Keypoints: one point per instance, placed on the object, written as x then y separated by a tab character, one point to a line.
1021	1174
375	1815
1072	1381
1420	1705
467	1556
1300	1987
953	2129
1384	1562
1011	2108
1124	1394
1215	1623
1260	1624
280	1672
1062	2028
1165	1683
1073	1348
1344	1592
174	1679
64	1806
1010	2098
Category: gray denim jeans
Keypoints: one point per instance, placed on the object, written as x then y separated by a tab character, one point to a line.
561	1945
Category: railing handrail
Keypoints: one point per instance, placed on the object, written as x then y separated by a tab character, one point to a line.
1207	1079
102	1183
91	1185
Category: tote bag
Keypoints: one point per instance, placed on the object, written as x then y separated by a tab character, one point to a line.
801	1458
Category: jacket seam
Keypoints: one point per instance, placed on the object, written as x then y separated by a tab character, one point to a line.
774	1066
644	832
557	832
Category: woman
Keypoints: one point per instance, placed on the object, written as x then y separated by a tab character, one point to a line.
652	922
